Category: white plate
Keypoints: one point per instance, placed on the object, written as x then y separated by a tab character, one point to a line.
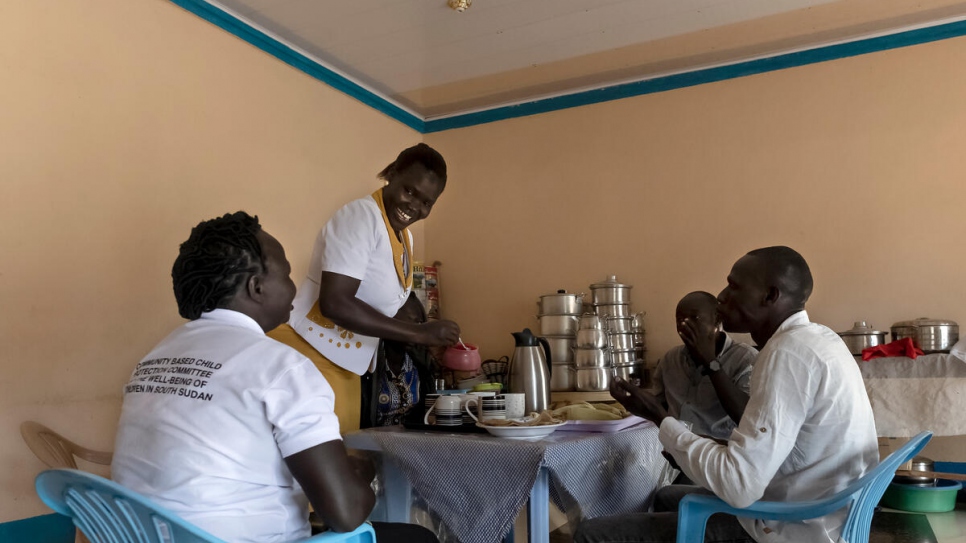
521	432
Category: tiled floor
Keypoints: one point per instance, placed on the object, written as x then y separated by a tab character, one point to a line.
898	527
890	526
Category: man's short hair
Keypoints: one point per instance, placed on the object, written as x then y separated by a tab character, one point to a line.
787	270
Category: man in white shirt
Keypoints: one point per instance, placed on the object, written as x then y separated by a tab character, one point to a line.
806	433
228	428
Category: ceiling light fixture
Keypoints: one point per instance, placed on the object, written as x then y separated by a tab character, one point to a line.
460	5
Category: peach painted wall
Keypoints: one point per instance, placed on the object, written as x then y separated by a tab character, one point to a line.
858	163
124	123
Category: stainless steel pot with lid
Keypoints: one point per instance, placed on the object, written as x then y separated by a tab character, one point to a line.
561	303
930	335
610	291
862	336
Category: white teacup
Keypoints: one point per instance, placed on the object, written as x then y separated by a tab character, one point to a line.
447	409
489	407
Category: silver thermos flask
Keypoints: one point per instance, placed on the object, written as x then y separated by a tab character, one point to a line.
529	370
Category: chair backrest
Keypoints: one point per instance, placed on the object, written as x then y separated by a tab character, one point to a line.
57	451
868	490
109	513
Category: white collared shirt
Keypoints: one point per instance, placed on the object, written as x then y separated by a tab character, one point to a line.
807	432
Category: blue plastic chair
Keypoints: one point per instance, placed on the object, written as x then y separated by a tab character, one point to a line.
862	496
107	512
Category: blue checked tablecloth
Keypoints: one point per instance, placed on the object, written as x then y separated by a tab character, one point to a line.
476	484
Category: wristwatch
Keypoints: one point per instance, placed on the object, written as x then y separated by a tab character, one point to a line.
714	365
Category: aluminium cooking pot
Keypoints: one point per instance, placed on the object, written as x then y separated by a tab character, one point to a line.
862	336
561	303
613	310
591	358
593	379
557	325
561	349
609	291
930	335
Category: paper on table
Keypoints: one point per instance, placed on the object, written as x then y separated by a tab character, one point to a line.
603	426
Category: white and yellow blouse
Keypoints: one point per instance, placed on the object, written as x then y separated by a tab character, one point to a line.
357	242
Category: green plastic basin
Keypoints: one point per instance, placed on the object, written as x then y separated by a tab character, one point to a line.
922	499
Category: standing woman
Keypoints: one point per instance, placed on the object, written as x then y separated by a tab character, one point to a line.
360	274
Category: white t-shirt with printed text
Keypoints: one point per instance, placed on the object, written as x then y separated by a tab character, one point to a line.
209	416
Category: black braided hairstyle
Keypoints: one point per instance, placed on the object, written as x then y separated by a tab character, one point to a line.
219	256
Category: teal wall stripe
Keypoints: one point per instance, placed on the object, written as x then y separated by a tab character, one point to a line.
270	45
53	528
288	55
699	77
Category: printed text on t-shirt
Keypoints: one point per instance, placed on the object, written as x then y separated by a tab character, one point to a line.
179	376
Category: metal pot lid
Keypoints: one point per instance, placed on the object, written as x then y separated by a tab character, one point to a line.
610	282
861	329
921	463
562	293
923	321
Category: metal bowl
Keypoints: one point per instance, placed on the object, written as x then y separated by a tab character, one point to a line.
593	379
591	337
590	358
561	349
563	378
557	325
561	303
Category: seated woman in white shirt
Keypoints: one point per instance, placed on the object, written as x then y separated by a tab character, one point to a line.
228	428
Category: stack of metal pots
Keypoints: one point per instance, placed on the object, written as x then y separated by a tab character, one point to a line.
592	356
558	317
611	301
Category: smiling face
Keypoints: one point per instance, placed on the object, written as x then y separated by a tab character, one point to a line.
410	196
741	304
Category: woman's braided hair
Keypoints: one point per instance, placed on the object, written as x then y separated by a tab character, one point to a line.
219	256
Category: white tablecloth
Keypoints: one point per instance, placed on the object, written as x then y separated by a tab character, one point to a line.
909	396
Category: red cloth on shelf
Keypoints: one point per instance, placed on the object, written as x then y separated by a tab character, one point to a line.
900	347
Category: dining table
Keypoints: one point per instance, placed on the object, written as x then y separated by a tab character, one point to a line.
476	484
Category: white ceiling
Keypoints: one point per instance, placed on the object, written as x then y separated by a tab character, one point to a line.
434	61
